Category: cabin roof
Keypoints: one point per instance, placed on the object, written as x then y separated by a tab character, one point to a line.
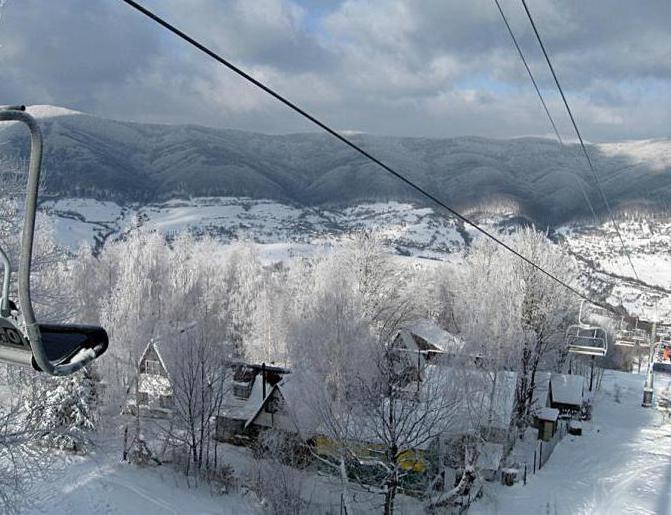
548	414
431	337
567	389
246	409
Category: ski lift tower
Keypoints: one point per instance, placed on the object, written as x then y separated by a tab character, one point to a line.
648	388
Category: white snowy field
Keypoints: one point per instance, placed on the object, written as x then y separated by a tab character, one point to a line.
620	465
100	484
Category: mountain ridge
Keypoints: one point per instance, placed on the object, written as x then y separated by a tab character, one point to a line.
88	156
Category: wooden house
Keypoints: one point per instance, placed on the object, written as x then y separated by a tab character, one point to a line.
248	387
151	391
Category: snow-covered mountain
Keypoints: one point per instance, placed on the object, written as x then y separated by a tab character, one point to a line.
87	156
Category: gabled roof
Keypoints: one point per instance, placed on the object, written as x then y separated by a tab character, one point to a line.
427	336
246	409
155	346
290	390
567	389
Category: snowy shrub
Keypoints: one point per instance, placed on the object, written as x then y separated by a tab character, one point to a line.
277	483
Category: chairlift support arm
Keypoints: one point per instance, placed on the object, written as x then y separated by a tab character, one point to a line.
18	114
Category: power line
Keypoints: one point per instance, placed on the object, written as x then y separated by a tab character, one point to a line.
354	146
543	103
582	143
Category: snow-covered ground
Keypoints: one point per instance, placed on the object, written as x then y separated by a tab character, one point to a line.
100	484
409	229
621	463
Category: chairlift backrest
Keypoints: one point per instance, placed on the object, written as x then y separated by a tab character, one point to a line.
55	349
582	338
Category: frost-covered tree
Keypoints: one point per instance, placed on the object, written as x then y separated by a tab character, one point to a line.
64	411
509	311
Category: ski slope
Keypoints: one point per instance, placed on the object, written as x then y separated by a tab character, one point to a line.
621	464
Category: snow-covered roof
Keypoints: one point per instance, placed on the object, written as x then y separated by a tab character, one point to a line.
155	384
567	389
246	409
432	334
549	414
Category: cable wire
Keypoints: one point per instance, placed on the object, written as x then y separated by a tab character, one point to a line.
355	147
543	103
582	143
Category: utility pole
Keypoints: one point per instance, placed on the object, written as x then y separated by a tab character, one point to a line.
648	389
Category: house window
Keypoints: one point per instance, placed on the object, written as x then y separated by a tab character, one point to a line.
166	401
242	390
152	367
142	398
273	405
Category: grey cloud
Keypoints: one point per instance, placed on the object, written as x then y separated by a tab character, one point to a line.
408	67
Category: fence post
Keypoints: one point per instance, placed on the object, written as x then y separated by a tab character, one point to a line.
534	461
525	473
540	456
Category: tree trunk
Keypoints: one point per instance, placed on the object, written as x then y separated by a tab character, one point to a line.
390	495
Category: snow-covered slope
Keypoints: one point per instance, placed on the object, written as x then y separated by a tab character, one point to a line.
620	464
648	240
409	229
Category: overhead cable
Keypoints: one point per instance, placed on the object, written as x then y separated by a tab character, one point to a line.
543	103
582	143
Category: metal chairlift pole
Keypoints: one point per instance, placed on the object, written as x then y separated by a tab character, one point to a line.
4	306
591	374
648	389
33	329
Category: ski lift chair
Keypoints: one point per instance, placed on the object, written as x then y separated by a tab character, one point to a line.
625	338
585	339
57	349
590	341
631	337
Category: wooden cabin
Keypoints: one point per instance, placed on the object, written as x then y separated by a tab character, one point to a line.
247	389
151	391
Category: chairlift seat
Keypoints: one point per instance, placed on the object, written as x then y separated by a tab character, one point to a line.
590	341
625	338
587	346
68	343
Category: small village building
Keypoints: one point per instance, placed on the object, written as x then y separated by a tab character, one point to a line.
428	340
421	343
546	422
248	387
150	390
566	394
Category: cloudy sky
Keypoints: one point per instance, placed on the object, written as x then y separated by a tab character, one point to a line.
434	68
